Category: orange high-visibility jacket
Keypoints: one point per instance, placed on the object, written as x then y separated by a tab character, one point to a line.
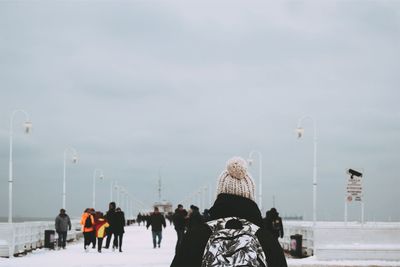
83	220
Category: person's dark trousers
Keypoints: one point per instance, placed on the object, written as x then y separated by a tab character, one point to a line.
62	237
87	236
99	243
108	240
180	234
117	243
93	239
159	235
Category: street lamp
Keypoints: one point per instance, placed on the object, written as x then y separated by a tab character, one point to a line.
124	192
250	161
111	190
116	187
101	176
74	160
127	204
28	127
300	133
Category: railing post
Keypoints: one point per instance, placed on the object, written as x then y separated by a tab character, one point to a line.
11	244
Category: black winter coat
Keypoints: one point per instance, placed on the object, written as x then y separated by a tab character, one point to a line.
111	219
190	253
179	219
273	223
156	221
118	227
195	219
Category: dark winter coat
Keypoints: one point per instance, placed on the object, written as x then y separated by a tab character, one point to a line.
191	251
273	223
195	219
119	223
62	223
156	221
179	219
111	219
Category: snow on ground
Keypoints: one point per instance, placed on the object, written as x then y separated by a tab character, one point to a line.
138	252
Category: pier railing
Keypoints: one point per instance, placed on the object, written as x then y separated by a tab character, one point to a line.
16	238
345	241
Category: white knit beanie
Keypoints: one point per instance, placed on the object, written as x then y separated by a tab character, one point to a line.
235	180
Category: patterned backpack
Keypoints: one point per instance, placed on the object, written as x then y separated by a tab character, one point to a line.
233	243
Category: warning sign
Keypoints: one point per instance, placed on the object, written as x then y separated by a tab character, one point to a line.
354	186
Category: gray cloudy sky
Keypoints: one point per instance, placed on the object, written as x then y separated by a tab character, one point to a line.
138	86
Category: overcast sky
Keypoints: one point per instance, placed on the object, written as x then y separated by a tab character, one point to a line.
176	88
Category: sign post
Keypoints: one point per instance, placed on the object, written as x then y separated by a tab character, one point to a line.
354	191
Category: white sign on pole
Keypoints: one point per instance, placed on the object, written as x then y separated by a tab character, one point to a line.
354	186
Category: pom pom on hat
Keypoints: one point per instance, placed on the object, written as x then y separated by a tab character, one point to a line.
237	168
235	180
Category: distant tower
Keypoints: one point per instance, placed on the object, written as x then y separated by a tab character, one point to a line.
159	187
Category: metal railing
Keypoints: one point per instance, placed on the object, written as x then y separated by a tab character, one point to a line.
16	238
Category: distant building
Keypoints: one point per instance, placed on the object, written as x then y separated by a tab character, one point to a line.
164	207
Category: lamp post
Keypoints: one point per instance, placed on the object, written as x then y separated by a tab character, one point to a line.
28	127
111	190
300	133
117	188
123	195
101	176
127	204
250	161
74	160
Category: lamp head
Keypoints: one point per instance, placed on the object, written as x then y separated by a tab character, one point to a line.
28	127
300	132
75	159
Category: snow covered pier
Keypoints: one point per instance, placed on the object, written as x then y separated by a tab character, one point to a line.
351	241
138	251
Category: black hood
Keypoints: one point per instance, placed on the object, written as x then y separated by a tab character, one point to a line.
228	205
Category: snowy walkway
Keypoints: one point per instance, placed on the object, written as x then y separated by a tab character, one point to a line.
138	252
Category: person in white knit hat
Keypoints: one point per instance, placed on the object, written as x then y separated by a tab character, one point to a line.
235	180
233	211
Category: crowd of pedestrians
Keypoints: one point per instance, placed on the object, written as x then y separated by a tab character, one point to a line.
232	232
96	226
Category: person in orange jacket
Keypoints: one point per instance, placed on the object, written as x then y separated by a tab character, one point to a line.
100	226
87	222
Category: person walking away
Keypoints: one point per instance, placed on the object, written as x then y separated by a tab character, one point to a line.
139	218
179	224
206	215
235	236
87	222
110	218
93	233
156	221
118	229
194	217
62	225
101	225
274	223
